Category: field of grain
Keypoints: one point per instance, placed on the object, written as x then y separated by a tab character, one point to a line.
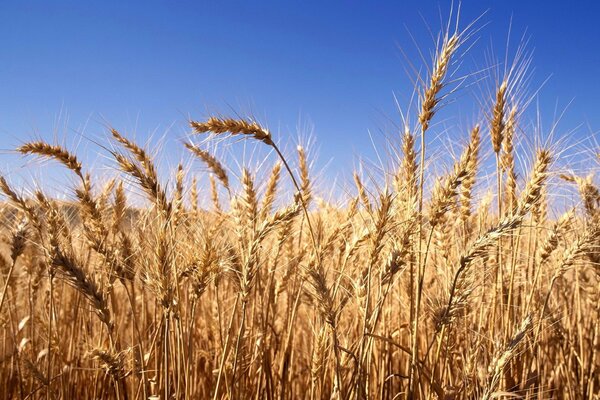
462	288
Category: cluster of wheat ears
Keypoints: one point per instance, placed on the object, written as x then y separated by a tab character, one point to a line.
403	291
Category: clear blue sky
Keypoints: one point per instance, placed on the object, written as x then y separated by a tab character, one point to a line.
146	66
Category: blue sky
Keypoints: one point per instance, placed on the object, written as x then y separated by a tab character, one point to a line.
71	68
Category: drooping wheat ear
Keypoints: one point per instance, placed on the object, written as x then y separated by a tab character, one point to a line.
146	177
21	204
497	366
12	195
235	127
362	193
147	181
305	183
508	159
60	260
466	189
429	97
139	153
254	130
270	191
55	152
211	162
497	120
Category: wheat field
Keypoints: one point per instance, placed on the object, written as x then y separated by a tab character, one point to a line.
424	285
